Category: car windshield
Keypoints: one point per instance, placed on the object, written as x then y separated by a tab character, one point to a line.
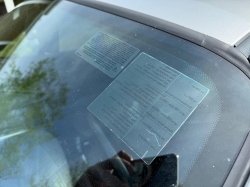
81	88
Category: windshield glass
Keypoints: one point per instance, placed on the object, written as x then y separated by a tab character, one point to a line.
84	91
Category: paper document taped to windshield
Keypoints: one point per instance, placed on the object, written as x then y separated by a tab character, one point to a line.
147	104
107	53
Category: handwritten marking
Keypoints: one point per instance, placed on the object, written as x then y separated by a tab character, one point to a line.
155	136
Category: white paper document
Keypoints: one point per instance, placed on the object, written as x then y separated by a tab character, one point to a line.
147	104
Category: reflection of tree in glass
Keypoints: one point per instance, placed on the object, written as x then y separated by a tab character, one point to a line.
30	103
